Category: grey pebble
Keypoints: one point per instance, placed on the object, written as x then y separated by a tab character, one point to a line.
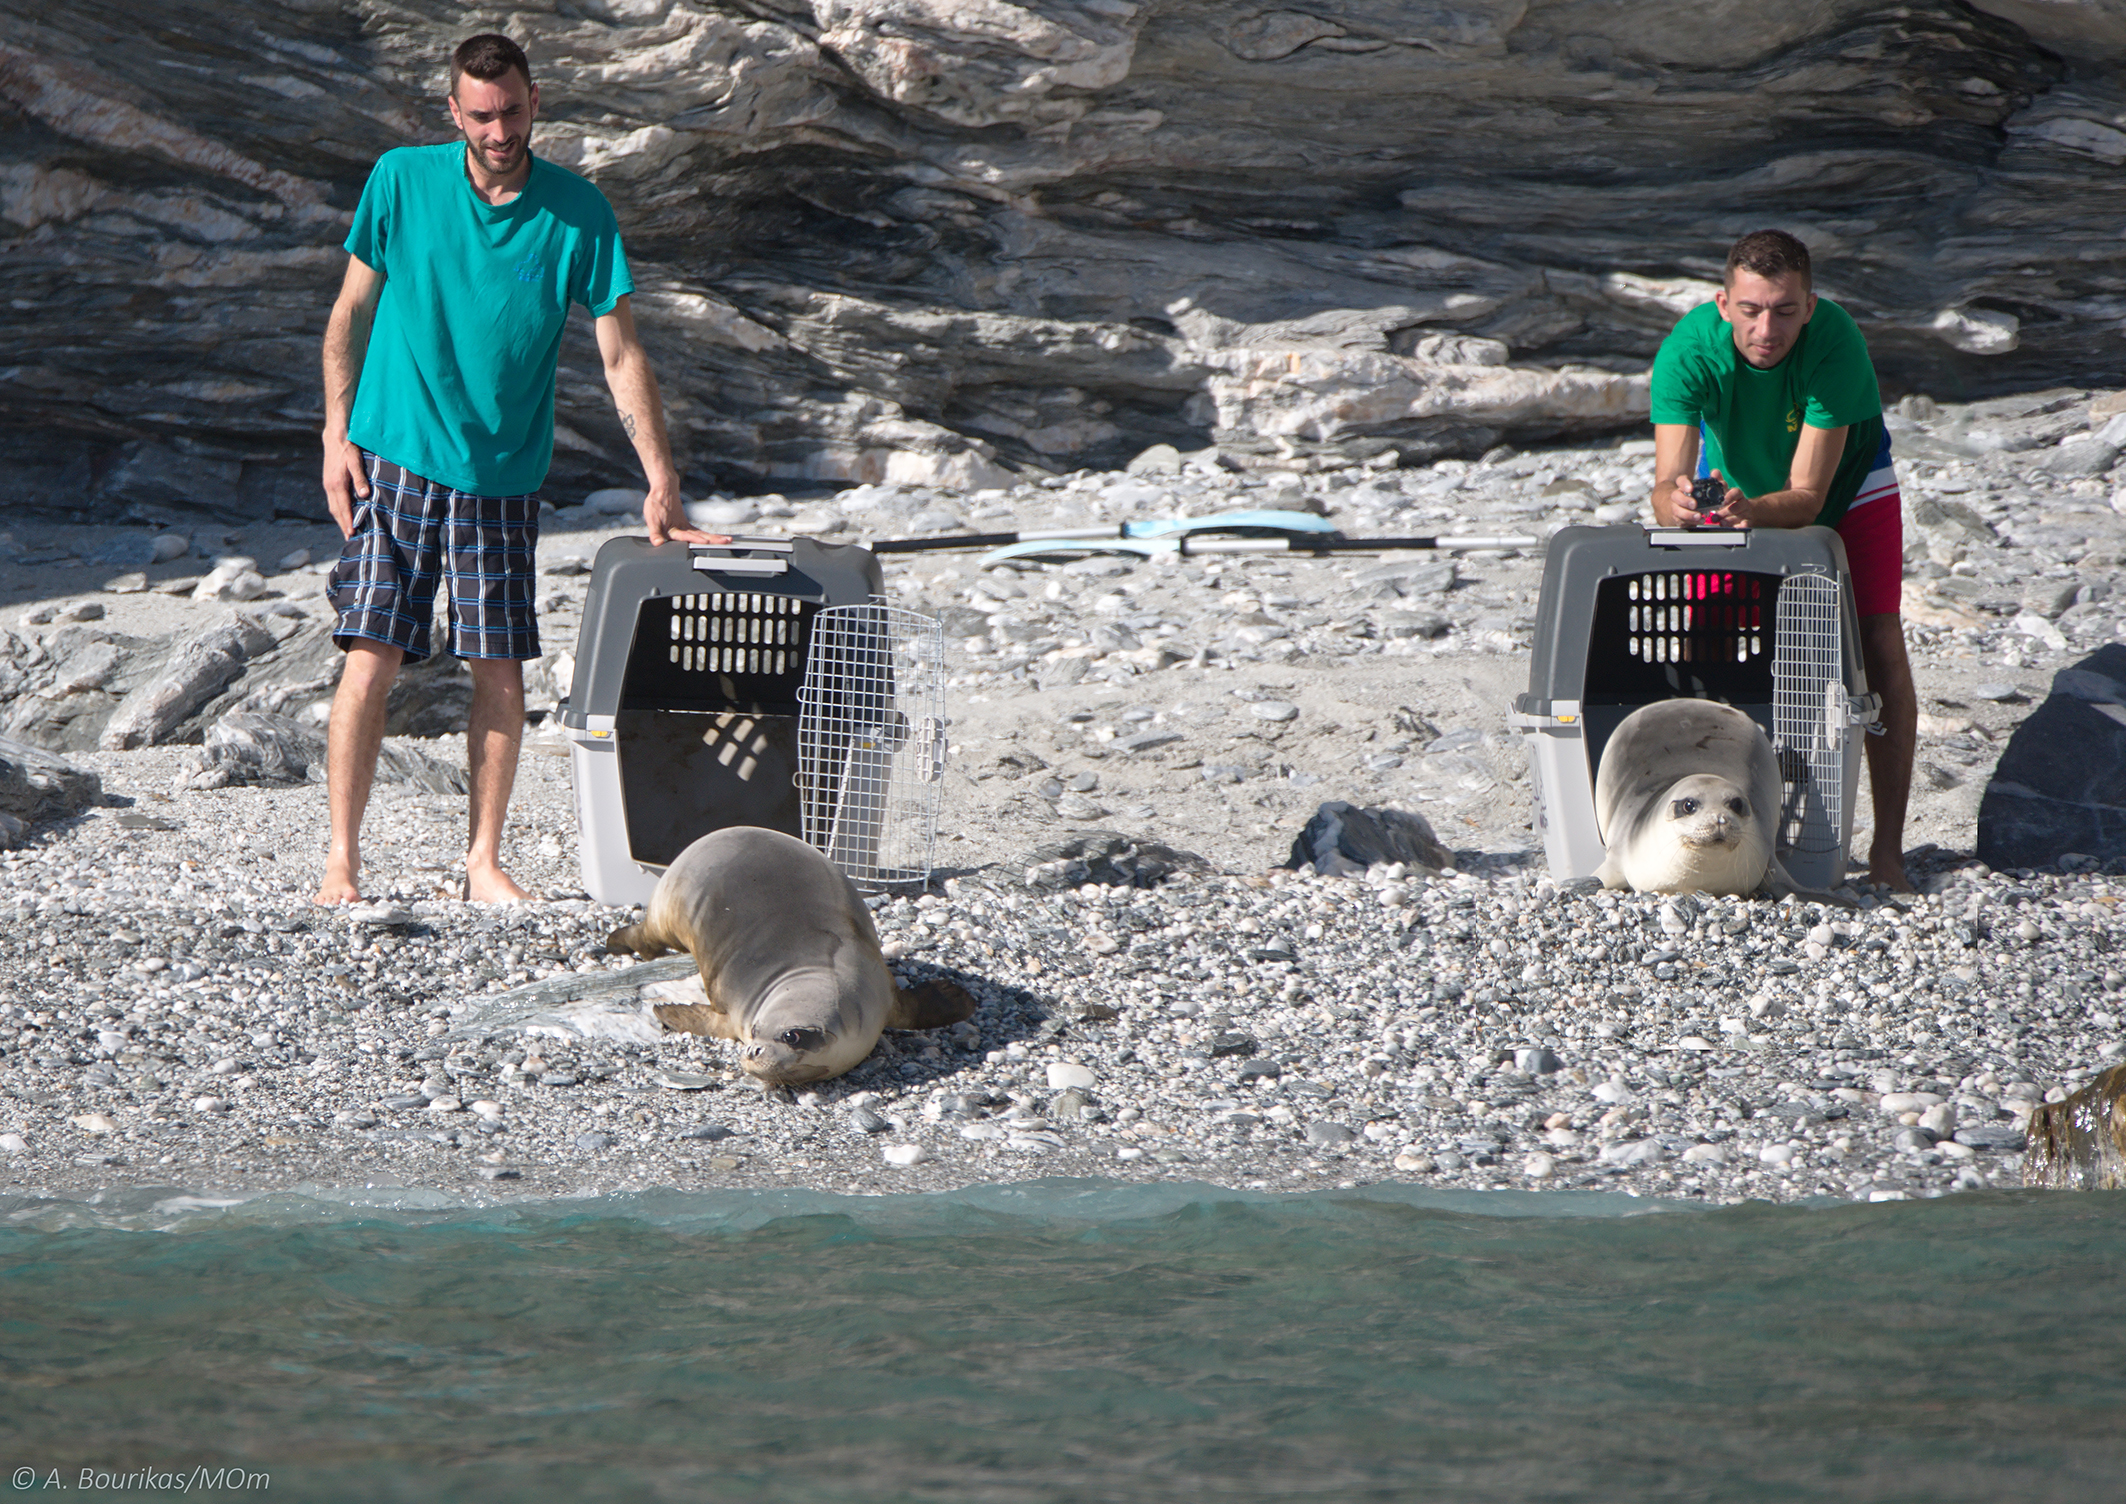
1990	1136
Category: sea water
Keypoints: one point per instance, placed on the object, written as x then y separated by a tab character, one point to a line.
1065	1340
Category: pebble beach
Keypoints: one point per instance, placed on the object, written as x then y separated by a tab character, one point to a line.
175	1014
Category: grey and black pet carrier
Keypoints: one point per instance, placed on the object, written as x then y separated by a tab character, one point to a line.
1761	619
763	683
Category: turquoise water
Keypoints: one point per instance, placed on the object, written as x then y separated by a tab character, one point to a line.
1073	1340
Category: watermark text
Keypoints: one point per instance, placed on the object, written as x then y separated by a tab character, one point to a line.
199	1479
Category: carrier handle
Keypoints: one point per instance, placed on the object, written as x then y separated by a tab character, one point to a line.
737	556
1697	537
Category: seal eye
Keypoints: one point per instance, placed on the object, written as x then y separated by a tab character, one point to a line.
1683	807
803	1039
1740	807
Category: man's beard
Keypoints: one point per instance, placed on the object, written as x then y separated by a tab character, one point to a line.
509	156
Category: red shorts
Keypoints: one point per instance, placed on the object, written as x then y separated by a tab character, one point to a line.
1874	534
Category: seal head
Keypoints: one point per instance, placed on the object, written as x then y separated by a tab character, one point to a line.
1713	842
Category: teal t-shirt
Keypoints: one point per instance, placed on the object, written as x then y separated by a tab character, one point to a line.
458	382
1753	418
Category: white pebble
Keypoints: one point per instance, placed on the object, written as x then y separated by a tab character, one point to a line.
1064	1074
1540	1166
486	1109
906	1154
13	1143
209	1104
1126	1155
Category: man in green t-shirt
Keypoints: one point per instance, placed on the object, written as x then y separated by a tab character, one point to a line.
1769	389
439	426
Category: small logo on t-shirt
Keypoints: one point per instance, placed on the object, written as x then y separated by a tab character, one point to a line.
1793	420
529	269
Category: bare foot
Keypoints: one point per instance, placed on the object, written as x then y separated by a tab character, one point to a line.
493	885
1889	872
338	885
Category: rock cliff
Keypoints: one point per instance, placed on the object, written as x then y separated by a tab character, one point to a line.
878	239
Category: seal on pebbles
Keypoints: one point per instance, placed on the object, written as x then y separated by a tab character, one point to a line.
1687	800
789	961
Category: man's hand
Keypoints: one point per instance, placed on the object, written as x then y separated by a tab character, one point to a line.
346	480
1746	511
1684	507
664	514
346	342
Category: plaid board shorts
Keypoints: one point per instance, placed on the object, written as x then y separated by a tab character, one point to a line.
411	534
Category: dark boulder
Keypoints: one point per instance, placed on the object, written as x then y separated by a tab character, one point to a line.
1343	840
36	786
1105	858
2060	785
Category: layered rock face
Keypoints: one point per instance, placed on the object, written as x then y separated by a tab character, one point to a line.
932	239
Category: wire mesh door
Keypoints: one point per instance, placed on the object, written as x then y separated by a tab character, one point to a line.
871	741
1809	713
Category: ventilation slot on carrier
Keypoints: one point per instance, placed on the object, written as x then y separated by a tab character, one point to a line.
728	651
1695	617
736	634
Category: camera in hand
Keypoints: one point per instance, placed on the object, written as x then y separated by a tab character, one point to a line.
1708	492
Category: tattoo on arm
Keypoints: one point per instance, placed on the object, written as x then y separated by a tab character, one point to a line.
627	421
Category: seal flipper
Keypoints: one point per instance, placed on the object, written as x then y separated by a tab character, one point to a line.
1611	873
635	938
929	1005
696	1018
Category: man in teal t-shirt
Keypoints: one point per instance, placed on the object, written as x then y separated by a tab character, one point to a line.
1769	389
439	426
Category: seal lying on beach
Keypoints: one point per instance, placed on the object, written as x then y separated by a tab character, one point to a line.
789	961
1687	800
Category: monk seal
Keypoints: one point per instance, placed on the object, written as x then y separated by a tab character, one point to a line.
1687	800
789	960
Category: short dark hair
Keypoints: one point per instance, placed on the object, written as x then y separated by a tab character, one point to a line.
1769	253
487	57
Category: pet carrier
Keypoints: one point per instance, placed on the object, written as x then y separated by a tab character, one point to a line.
1761	619
683	714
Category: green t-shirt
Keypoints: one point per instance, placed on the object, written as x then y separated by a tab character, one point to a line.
1753	418
458	383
